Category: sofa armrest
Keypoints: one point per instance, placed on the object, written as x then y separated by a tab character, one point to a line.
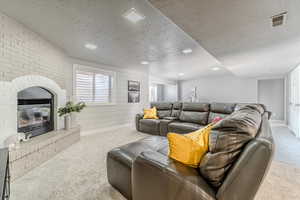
155	176
138	117
164	126
250	169
247	174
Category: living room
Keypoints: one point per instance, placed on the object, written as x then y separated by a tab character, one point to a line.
149	99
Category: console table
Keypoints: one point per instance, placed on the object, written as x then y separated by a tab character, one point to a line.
4	175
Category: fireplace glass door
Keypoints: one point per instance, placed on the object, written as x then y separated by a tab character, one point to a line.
35	114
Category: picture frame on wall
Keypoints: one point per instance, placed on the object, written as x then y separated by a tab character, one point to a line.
133	96
133	86
133	91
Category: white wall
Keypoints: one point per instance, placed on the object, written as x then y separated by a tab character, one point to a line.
271	94
171	93
98	117
23	52
167	89
220	89
293	100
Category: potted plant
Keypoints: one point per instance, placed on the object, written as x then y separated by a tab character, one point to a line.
68	109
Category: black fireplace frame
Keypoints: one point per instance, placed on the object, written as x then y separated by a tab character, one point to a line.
33	130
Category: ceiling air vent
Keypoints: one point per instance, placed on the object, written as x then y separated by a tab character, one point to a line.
278	20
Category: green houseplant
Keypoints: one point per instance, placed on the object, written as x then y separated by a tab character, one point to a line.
66	111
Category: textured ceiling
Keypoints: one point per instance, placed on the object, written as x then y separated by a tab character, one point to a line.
70	24
239	33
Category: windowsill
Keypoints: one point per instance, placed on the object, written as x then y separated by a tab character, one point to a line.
100	104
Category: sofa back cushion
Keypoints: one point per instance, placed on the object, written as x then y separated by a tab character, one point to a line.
220	110
164	109
176	109
227	140
261	107
195	113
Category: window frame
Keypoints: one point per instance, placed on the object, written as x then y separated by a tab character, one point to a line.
100	71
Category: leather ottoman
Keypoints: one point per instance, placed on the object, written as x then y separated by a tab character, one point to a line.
120	161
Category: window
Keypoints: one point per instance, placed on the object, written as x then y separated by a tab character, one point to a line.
93	85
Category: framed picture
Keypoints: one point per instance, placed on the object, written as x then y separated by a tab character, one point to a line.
133	91
133	86
133	96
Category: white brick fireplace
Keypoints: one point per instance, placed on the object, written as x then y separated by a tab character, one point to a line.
8	102
28	60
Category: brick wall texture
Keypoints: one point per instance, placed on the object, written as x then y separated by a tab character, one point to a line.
23	52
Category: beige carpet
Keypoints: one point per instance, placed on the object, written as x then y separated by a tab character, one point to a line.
80	173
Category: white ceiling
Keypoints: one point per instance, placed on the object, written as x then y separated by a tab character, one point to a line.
239	33
70	24
235	35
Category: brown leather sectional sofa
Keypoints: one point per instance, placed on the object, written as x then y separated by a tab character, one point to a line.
240	152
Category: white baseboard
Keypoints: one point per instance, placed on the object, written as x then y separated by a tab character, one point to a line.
106	129
278	122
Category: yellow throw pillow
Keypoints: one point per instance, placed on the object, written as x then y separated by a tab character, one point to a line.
150	113
189	148
201	136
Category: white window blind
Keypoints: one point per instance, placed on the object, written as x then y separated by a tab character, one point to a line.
93	86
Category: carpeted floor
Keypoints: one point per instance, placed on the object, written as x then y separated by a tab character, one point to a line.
79	173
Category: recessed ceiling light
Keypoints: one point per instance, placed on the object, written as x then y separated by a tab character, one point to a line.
144	62
133	15
187	51
215	68
90	46
181	74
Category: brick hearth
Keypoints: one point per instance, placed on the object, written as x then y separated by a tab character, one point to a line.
39	149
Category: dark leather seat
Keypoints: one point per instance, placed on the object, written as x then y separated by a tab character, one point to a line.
150	125
220	110
166	179
153	126
142	170
120	160
183	127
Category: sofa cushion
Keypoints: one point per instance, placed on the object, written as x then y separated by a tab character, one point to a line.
150	113
184	149
262	108
212	116
189	148
195	113
183	127
227	139
220	110
162	105
194	117
224	108
156	177
164	150
127	153
150	126
164	109
163	113
120	161
197	107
